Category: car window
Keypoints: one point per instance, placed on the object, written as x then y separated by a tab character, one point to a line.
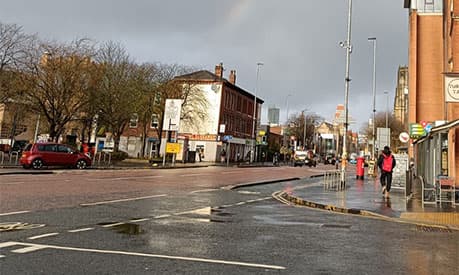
64	149
49	148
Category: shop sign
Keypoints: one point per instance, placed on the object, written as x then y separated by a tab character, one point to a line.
416	130
452	88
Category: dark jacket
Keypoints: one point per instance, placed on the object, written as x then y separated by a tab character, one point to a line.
381	160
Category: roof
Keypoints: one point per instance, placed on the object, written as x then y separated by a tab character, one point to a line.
200	75
205	75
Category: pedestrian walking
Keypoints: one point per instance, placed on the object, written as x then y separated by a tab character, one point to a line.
386	164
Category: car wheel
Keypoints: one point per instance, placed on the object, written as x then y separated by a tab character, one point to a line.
81	164
37	164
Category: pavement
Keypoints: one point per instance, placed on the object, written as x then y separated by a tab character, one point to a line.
364	197
360	197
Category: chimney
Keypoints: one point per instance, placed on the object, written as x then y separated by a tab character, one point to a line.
232	77
219	70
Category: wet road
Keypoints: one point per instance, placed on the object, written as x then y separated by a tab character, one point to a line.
202	229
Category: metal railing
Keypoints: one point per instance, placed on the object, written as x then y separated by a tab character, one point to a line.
102	158
12	158
332	180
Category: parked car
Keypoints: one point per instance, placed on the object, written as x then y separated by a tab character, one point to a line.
38	155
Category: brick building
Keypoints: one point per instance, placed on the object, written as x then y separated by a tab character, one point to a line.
433	85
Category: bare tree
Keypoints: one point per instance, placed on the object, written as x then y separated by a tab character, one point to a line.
58	80
14	48
118	94
297	123
395	125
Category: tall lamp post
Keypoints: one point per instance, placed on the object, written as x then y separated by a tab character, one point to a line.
286	119
387	108
252	155
348	46
373	39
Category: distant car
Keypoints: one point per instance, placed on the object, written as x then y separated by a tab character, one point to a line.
38	155
330	159
310	162
299	158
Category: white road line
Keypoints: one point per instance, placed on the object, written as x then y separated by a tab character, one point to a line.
2	256
191	259
80	229
6	244
14	213
122	200
240	203
112	224
42	236
204	190
140	220
28	249
162	216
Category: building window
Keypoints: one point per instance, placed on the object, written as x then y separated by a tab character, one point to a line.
154	121
134	120
429	6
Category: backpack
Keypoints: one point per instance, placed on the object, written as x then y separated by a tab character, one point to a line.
387	163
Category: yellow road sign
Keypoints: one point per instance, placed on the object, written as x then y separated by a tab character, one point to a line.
173	148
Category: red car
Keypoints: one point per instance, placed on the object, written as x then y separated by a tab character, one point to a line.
38	155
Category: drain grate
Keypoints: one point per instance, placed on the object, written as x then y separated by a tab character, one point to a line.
426	228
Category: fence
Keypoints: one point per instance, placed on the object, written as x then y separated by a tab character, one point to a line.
102	159
11	159
332	180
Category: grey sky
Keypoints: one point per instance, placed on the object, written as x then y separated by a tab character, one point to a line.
297	40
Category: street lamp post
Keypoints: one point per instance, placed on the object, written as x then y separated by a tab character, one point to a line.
252	155
348	46
286	120
373	39
387	109
304	132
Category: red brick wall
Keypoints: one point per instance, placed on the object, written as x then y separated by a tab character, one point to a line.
429	78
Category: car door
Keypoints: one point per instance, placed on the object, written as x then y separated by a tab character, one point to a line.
48	153
66	155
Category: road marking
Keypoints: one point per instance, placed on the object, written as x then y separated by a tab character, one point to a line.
28	249
127	253
162	216
199	211
80	229
14	213
113	224
2	256
140	220
6	244
240	203
204	190
122	200
42	236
